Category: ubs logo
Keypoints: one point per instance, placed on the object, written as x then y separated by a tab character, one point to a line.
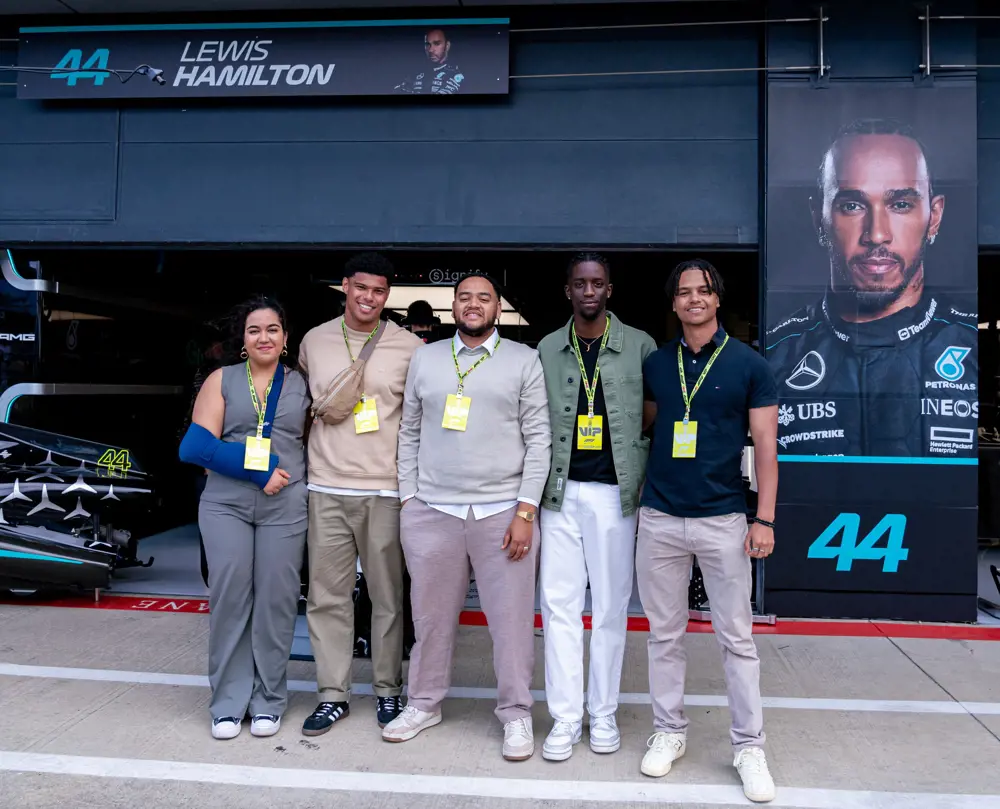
808	373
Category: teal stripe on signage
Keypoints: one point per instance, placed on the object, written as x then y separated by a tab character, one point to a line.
246	26
885	459
38	557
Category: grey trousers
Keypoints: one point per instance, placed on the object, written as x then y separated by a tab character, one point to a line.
663	566
254	586
439	548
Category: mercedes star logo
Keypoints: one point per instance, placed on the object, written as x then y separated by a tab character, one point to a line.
808	373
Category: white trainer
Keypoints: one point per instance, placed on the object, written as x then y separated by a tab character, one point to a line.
664	750
604	734
518	740
751	764
409	723
559	743
265	725
226	727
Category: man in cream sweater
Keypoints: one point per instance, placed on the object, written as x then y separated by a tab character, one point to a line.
354	497
474	448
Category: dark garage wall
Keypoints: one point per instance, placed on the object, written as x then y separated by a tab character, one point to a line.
989	138
590	160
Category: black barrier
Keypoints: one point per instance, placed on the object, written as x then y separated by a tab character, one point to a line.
871	278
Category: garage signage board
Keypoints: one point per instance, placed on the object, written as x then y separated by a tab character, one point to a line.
250	60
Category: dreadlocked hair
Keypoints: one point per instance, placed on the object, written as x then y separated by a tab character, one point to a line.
583	258
711	275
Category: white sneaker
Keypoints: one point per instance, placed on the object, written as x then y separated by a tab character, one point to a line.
518	740
226	727
409	723
604	734
664	750
265	725
559	743
751	764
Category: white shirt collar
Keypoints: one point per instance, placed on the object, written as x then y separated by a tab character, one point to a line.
490	345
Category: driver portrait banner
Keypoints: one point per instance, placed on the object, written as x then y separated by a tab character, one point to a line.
248	60
872	335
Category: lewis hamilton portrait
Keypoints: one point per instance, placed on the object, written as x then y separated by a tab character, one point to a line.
881	365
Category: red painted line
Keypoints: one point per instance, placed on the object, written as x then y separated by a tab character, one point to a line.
816	628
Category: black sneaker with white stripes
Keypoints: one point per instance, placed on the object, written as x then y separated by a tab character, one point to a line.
322	719
388	709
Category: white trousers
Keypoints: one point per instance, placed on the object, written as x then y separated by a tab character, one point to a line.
588	538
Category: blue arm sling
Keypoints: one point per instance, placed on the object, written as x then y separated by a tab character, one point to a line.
203	449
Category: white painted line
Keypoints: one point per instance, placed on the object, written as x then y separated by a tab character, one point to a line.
463	692
523	789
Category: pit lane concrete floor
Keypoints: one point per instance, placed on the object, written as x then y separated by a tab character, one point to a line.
109	709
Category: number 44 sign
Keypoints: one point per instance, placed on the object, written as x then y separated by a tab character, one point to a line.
892	526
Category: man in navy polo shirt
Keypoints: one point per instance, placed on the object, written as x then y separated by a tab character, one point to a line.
693	504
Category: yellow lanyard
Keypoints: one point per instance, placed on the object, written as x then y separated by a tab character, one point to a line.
256	402
697	385
343	325
476	364
590	388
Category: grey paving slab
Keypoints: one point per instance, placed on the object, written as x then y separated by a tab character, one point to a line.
792	666
872	751
969	670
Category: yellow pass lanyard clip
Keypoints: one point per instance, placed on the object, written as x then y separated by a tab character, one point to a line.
347	342
590	388
476	364
697	385
259	408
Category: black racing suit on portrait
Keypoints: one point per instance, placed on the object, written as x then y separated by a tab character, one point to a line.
443	79
906	385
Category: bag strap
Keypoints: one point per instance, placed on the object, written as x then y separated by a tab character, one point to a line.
366	352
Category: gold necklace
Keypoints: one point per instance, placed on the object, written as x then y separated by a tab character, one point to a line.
584	341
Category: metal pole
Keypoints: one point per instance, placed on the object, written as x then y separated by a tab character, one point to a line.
822	46
658	25
927	41
796	68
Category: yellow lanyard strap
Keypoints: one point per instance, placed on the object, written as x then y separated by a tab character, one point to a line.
476	364
590	388
256	402
697	385
343	325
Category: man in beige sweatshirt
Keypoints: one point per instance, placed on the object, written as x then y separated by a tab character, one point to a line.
354	497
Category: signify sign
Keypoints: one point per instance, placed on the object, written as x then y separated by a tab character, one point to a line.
352	58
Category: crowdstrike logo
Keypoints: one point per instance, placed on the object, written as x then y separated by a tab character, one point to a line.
808	373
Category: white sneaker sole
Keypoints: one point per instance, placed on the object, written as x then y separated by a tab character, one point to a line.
225	733
262	733
606	747
761	797
560	753
524	755
659	772
410	734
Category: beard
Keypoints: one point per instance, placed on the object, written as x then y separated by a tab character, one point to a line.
479	331
873	301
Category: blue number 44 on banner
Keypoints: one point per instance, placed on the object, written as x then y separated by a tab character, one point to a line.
847	526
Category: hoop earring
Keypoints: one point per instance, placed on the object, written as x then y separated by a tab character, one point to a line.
243	354
284	352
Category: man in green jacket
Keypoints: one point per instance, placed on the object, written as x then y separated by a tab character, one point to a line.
593	376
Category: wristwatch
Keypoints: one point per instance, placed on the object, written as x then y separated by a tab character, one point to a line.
527	516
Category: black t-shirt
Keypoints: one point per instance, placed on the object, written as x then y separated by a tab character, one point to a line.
711	483
591	465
